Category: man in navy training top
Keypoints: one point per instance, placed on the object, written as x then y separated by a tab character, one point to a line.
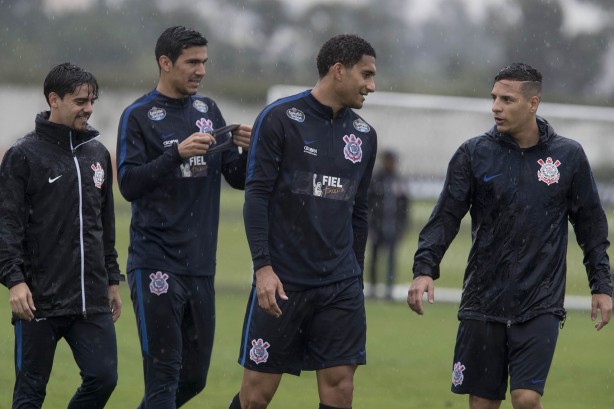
521	181
306	208
173	182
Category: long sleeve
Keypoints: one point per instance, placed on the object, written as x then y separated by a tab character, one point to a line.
108	225
136	175
263	166
13	217
444	222
591	227
360	214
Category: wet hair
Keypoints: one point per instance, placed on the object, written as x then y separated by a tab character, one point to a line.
65	78
529	76
346	49
175	39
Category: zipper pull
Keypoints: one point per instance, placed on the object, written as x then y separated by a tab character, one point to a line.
509	323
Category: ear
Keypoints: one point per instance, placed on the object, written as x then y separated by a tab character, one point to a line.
337	71
534	103
165	63
53	100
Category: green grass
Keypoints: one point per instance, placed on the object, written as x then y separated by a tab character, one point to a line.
409	357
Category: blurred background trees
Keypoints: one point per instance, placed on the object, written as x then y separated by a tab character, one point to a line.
453	48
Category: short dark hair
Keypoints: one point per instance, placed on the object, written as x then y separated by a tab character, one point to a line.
346	49
65	78
175	39
531	78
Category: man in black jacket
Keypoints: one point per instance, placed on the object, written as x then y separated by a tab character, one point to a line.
521	182
57	245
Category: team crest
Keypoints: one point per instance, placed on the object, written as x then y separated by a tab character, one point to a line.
159	283
457	374
156	114
200	106
352	150
98	175
204	125
548	173
296	114
259	353
361	126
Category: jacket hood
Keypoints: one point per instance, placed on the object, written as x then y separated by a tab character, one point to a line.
60	134
546	133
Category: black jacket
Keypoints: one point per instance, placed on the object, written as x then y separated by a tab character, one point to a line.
57	223
306	204
520	201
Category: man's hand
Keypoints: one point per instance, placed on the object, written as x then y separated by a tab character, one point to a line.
21	301
420	285
602	302
196	144
242	136
267	287
115	301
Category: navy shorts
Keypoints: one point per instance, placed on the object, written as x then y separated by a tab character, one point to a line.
319	328
486	353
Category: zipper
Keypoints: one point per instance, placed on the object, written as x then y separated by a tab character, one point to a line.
81	246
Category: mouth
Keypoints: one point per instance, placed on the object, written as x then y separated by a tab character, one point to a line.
499	120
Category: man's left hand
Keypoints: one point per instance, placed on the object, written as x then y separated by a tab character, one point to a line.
602	302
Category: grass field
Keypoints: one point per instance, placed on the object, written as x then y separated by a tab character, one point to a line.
409	357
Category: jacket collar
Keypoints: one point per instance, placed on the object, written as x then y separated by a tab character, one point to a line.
61	134
546	132
324	110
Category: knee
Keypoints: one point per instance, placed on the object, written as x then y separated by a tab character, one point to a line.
526	399
255	400
104	382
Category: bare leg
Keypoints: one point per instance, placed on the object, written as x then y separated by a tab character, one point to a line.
336	385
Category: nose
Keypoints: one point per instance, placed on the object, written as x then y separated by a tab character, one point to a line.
496	106
88	107
200	70
371	85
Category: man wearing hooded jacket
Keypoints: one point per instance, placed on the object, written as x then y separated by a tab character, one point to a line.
57	245
521	182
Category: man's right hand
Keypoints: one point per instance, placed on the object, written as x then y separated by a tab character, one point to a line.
267	287
420	285
21	301
196	144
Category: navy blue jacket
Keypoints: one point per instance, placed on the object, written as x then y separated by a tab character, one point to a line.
520	201
306	202
175	203
57	222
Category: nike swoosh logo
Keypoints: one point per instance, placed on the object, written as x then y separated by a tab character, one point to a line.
168	135
54	179
39	319
536	381
489	178
310	142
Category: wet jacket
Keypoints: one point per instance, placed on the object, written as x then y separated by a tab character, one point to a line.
306	203
520	201
57	223
175	202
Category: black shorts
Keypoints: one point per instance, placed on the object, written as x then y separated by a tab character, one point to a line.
486	353
319	328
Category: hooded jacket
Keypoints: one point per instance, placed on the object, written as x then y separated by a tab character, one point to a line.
57	222
520	201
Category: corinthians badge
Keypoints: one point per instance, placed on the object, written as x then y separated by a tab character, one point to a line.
548	173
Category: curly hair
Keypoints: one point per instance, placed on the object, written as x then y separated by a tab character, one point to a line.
346	49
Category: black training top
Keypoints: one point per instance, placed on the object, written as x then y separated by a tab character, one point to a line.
306	202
